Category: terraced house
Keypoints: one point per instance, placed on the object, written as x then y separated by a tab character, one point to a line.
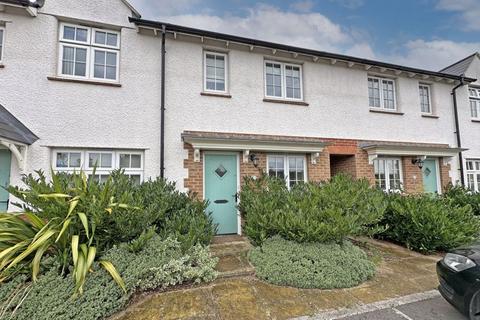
87	84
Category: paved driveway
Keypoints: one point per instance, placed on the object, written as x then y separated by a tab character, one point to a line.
431	309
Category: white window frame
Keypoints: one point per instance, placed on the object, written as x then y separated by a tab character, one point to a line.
429	96
286	169
90	46
225	57
283	76
387	180
92	64
381	95
475	172
2	38
85	165
477	102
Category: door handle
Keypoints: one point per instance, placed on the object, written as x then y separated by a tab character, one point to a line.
221	201
237	196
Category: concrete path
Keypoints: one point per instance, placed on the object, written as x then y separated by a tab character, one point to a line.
237	294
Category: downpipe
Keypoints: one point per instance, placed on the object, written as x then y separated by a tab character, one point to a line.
457	129
162	108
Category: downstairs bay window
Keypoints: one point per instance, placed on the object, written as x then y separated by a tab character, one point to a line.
103	162
291	168
473	175
388	174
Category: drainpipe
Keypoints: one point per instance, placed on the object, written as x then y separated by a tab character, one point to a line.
457	128
162	108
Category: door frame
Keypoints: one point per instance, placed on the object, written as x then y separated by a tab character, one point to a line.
437	169
2	148
224	153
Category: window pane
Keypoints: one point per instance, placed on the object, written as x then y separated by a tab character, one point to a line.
80	69
111	58
100	37
373	93
68	60
106	160
136	178
136	161
274	79
94	160
75	159
82	35
1	43
292	81
111	73
68	33
474	106
99	57
98	71
124	161
80	61
112	39
62	160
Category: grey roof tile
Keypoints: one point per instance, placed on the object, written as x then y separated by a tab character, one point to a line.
12	129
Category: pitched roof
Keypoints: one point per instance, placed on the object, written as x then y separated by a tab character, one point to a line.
260	43
12	129
460	67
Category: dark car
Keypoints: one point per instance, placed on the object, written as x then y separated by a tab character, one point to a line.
459	276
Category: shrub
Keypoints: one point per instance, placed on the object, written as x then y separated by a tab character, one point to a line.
160	264
459	196
425	223
310	212
311	265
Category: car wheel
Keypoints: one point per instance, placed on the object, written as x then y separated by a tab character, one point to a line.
474	307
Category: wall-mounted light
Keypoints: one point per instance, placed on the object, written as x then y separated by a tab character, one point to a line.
253	157
419	161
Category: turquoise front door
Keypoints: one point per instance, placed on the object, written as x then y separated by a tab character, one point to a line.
220	190
5	160
430	176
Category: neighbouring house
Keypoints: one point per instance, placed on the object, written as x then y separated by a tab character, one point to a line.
468	108
92	81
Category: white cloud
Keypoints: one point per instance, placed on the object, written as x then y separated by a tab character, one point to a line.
155	8
303	6
468	10
350	4
433	55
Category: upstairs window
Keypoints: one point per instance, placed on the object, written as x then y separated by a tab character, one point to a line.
473	175
283	81
215	72
474	94
425	104
291	168
2	41
89	53
381	93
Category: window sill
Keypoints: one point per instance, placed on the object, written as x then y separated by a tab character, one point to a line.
213	94
296	103
397	113
476	120
99	83
430	116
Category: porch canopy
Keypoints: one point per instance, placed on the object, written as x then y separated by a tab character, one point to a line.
422	150
201	140
15	136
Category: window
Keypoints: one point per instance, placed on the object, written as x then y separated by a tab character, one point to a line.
2	41
381	93
89	53
215	72
425	104
102	161
283	81
288	167
473	175
474	94
388	174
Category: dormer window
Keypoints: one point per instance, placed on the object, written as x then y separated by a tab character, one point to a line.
89	53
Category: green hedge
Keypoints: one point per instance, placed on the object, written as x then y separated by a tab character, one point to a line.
310	212
160	264
429	223
311	265
459	197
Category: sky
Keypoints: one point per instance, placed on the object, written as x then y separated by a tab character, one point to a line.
427	34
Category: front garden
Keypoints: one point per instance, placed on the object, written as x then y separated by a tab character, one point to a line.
303	236
83	249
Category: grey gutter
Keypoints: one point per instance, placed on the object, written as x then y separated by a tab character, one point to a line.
254	42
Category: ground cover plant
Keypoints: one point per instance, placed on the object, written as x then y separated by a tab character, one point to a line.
76	234
311	265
